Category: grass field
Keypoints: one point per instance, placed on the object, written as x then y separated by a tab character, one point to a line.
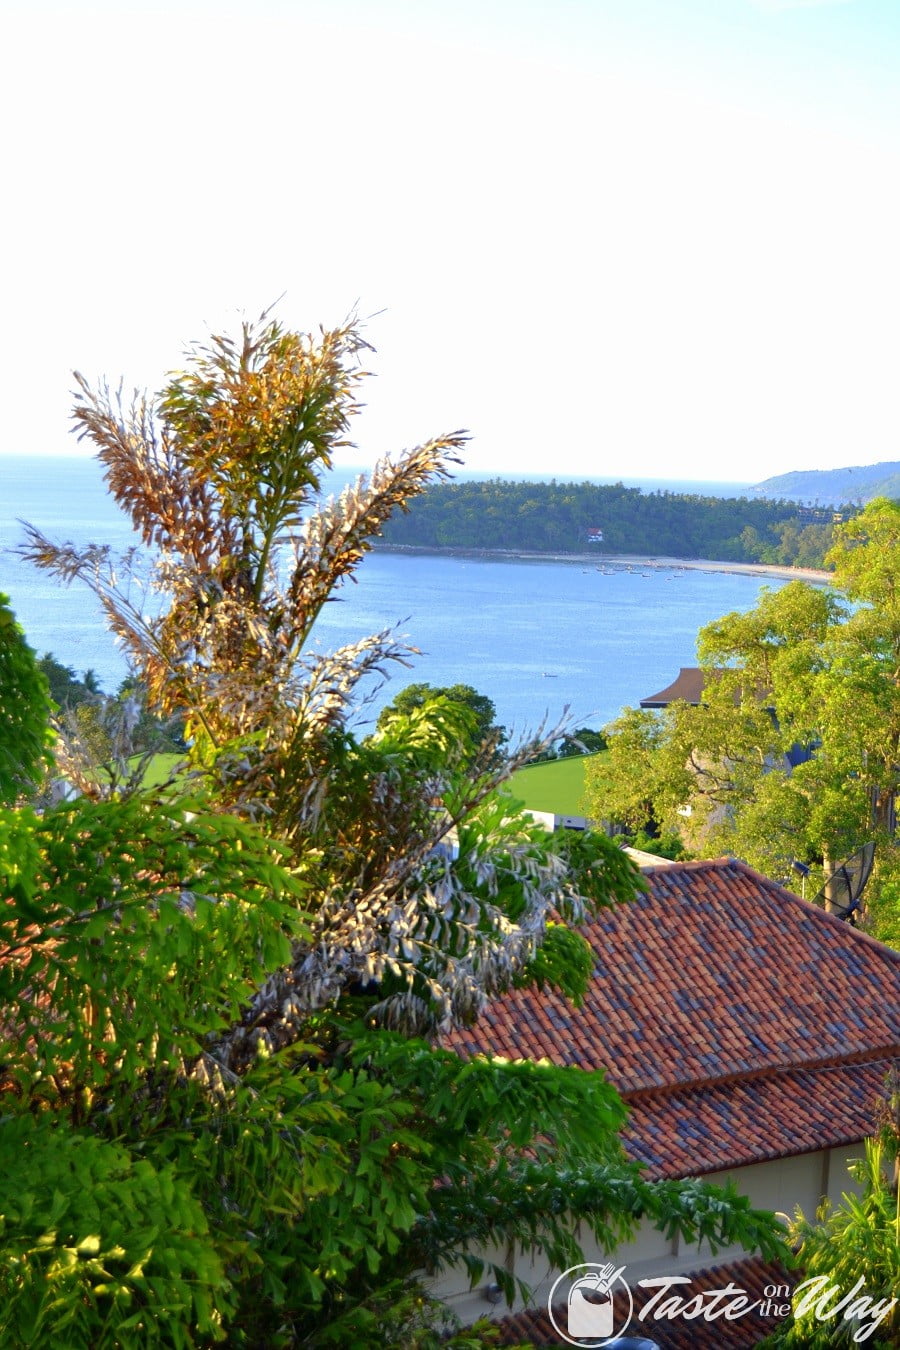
556	786
159	768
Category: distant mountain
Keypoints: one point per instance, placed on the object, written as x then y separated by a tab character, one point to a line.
834	487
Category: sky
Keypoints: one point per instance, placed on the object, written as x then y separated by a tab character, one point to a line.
638	238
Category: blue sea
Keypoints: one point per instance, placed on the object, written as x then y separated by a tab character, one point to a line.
539	637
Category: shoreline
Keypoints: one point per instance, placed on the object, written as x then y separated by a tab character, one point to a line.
623	561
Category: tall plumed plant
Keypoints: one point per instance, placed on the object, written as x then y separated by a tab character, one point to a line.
221	474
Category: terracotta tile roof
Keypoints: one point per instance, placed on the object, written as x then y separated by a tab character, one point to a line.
754	1119
727	995
753	1275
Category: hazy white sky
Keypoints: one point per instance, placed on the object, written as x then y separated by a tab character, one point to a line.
636	237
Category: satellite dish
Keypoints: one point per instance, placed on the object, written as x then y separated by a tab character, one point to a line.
841	892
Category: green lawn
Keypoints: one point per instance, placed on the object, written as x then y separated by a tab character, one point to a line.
158	770
556	786
161	766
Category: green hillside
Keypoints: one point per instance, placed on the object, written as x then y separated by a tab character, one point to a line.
835	487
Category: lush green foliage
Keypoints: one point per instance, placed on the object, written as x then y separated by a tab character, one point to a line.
176	913
852	1247
556	517
794	752
130	932
484	728
24	710
100	1247
660	845
211	990
152	1197
66	689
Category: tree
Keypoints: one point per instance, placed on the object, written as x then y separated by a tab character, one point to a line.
794	753
852	1246
622	788
221	474
364	895
65	687
582	741
484	734
865	673
24	710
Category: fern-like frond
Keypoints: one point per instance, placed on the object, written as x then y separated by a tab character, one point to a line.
170	505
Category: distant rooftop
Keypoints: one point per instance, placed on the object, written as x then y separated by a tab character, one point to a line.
688	686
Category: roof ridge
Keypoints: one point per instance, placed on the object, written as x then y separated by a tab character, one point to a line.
698	864
882	1054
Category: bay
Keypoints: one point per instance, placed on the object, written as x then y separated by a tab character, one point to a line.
537	636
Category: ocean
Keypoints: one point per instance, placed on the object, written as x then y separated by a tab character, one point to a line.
544	639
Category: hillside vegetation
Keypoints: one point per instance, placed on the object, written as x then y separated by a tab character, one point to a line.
557	517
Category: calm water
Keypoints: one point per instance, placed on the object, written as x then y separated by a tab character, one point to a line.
535	636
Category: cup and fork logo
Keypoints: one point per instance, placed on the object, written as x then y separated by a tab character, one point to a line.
598	1303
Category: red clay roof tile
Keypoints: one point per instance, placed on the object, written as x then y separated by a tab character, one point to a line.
712	1128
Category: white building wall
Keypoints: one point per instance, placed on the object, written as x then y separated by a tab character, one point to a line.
781	1185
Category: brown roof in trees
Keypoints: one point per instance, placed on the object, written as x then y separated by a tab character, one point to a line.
688	686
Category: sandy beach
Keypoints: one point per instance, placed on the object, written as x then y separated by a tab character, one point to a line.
708	565
621	560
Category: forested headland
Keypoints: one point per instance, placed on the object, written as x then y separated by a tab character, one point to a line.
565	518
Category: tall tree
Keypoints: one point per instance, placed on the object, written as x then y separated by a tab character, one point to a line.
864	678
794	753
221	474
